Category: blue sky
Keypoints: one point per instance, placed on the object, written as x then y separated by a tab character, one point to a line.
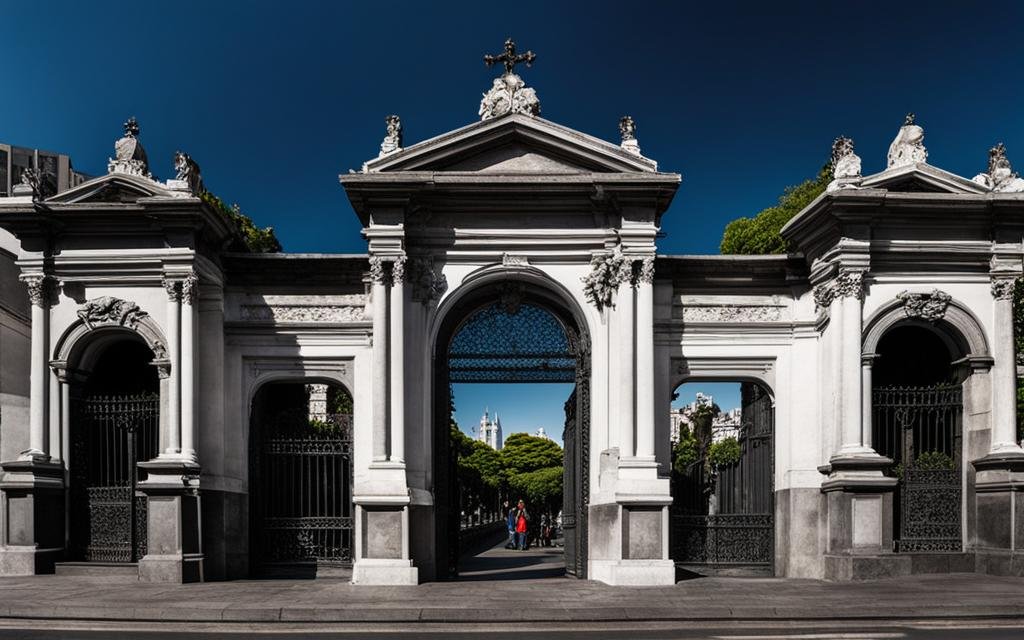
275	100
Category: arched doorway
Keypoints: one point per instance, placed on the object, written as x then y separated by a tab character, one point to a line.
512	331
115	424
300	479
917	409
723	465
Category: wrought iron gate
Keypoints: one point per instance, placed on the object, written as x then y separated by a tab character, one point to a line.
302	473
110	434
738	532
920	429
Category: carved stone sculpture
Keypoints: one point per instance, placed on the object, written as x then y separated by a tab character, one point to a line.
849	284
627	128
129	156
607	272
109	310
393	138
508	93
35	183
908	146
845	165
925	306
40	288
1000	177
824	294
187	170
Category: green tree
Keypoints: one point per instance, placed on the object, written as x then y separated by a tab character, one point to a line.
686	452
542	489
487	463
256	240
760	234
523	453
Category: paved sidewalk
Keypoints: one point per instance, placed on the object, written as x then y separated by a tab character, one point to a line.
500	583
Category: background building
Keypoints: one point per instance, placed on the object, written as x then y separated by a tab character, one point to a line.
57	166
490	431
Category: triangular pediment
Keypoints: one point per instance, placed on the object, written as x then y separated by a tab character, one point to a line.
921	178
114	188
513	144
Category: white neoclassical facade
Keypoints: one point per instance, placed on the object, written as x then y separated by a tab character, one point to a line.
148	395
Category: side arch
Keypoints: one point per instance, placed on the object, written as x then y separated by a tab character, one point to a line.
958	327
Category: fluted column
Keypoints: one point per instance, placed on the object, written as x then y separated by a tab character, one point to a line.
39	295
380	358
850	289
1004	372
173	288
627	398
645	359
397	360
189	298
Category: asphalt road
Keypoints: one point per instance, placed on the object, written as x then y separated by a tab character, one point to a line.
980	630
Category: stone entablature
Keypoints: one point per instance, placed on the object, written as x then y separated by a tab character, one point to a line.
311	309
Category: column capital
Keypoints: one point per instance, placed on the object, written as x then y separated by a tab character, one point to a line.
398	270
378	273
868	360
40	288
190	289
849	284
1003	288
645	274
608	271
173	288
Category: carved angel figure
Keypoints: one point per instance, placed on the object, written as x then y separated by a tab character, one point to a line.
187	169
908	146
627	127
393	138
1000	177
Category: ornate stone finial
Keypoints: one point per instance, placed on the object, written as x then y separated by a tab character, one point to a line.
1000	177
129	156
930	307
393	138
510	58
187	171
627	127
845	165
508	93
908	146
1002	289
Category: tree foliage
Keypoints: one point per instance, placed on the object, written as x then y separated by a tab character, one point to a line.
542	489
524	453
686	452
760	234
256	240
724	452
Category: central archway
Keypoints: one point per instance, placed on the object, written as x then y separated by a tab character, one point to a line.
512	327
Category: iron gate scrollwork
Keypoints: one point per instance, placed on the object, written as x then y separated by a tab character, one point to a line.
723	518
920	429
303	476
111	434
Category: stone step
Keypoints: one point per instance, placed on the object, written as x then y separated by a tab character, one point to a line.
112	571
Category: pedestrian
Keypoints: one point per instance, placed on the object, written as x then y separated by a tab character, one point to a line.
522	525
510	522
543	529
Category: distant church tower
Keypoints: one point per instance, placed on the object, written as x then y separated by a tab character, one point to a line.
490	431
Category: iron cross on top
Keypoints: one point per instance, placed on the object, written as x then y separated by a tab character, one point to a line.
510	58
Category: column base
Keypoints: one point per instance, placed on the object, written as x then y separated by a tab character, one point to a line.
376	571
859	503
173	568
173	530
33	517
999	502
633	573
860	472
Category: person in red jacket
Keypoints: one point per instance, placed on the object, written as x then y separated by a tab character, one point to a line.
522	519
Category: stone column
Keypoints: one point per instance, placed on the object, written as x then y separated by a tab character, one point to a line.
627	398
189	296
867	363
39	292
397	360
1004	372
645	359
173	288
850	289
380	358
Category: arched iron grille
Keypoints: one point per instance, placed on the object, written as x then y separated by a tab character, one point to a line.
522	344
